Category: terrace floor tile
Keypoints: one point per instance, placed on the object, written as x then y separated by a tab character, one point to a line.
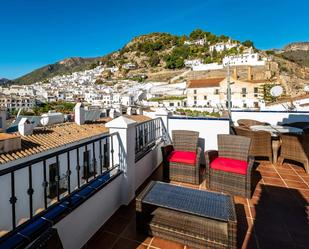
275	217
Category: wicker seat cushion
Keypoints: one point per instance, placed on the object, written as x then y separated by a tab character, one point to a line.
230	165
186	157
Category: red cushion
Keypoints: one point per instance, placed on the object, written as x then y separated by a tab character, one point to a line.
187	157
230	165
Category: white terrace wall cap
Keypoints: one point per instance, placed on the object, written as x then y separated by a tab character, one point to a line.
162	112
120	122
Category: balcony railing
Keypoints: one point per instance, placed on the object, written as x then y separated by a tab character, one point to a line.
148	135
35	186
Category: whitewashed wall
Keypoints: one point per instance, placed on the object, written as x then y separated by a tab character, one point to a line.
272	117
208	128
81	224
147	165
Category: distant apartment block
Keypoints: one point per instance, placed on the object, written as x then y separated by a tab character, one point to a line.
212	92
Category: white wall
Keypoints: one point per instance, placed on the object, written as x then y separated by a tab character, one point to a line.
208	128
81	224
272	117
147	165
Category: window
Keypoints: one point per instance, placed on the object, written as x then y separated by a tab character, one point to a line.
256	91
244	90
195	102
244	105
205	97
195	91
88	166
217	91
194	97
171	104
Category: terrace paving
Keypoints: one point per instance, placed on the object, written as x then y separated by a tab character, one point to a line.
275	217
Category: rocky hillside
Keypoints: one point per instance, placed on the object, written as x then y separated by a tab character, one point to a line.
297	46
66	66
297	52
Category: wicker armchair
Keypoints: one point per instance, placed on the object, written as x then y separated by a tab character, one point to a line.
296	148
260	142
181	160
249	122
229	169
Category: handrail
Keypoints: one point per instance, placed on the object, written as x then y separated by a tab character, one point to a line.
102	161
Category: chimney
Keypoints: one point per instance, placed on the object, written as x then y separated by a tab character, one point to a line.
129	110
250	76
140	111
79	114
25	127
9	142
235	73
2	120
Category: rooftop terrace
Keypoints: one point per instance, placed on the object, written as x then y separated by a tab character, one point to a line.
275	217
86	187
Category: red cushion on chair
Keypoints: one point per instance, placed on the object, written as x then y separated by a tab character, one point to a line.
230	165
187	157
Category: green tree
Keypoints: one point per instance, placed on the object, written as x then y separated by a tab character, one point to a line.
248	44
197	34
154	60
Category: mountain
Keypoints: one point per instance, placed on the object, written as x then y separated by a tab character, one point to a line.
4	81
66	66
297	52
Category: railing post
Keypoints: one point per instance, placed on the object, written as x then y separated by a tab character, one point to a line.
164	115
124	153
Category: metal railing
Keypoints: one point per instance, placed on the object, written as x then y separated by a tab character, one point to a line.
147	135
67	166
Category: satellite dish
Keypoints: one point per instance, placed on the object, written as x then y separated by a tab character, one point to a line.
276	91
306	88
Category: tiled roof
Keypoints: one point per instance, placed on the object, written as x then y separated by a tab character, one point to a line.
201	83
5	136
44	139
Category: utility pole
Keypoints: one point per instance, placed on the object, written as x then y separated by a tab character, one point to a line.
229	90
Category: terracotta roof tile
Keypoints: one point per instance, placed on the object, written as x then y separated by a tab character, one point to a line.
44	139
202	83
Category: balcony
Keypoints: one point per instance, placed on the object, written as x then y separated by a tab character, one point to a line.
98	209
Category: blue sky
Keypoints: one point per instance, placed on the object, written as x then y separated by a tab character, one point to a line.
34	33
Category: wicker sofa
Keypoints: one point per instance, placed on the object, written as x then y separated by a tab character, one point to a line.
260	142
181	160
249	122
296	148
229	169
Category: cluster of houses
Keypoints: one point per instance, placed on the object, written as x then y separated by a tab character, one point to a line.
247	58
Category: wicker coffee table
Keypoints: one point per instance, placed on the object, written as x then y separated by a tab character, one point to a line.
200	219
